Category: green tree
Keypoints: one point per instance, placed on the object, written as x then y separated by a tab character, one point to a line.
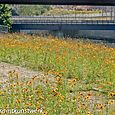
32	10
5	15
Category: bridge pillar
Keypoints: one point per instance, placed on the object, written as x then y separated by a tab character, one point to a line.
15	30
57	33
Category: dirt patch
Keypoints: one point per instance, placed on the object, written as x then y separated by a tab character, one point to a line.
94	100
22	72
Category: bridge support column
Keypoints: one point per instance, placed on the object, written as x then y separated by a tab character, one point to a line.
14	30
57	33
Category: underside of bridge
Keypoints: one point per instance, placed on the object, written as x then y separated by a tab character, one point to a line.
58	27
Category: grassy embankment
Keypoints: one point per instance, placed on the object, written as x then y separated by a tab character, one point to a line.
82	76
59	11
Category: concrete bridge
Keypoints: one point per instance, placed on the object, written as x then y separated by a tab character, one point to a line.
105	21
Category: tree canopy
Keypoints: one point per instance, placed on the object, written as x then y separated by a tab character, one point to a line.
32	10
5	15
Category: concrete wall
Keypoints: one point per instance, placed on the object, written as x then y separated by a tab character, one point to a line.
99	34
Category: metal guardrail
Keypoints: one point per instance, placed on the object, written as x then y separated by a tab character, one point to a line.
65	20
69	16
3	29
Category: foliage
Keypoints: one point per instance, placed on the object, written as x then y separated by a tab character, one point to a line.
5	15
78	76
59	11
32	10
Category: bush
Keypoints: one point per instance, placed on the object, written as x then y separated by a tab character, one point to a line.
5	15
32	10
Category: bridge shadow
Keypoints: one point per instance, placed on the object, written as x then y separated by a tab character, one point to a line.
93	36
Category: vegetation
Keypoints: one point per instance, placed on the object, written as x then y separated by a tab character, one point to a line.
32	10
59	11
5	15
79	76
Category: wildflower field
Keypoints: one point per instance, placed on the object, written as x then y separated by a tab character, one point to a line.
78	77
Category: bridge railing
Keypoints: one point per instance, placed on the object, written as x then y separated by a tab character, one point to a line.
44	20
